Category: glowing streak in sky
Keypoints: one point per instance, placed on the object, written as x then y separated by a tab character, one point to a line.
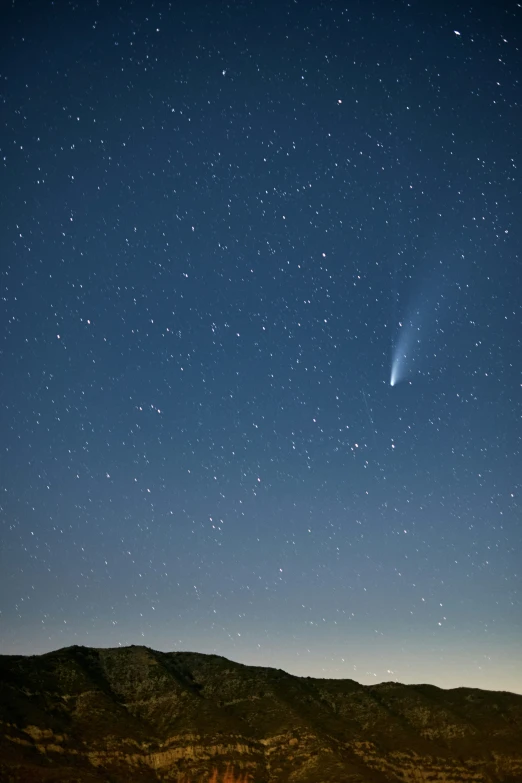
423	320
403	353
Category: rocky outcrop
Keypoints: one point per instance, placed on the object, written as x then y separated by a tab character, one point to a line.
133	714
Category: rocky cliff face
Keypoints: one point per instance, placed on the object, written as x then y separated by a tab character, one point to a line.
133	714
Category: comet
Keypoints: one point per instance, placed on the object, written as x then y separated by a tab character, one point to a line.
407	342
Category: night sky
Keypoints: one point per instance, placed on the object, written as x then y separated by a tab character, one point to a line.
261	334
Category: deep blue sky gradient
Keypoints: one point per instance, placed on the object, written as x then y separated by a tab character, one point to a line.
214	219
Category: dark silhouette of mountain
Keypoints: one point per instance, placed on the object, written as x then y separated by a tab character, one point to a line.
132	714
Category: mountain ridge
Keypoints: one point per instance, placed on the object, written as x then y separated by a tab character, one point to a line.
87	714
